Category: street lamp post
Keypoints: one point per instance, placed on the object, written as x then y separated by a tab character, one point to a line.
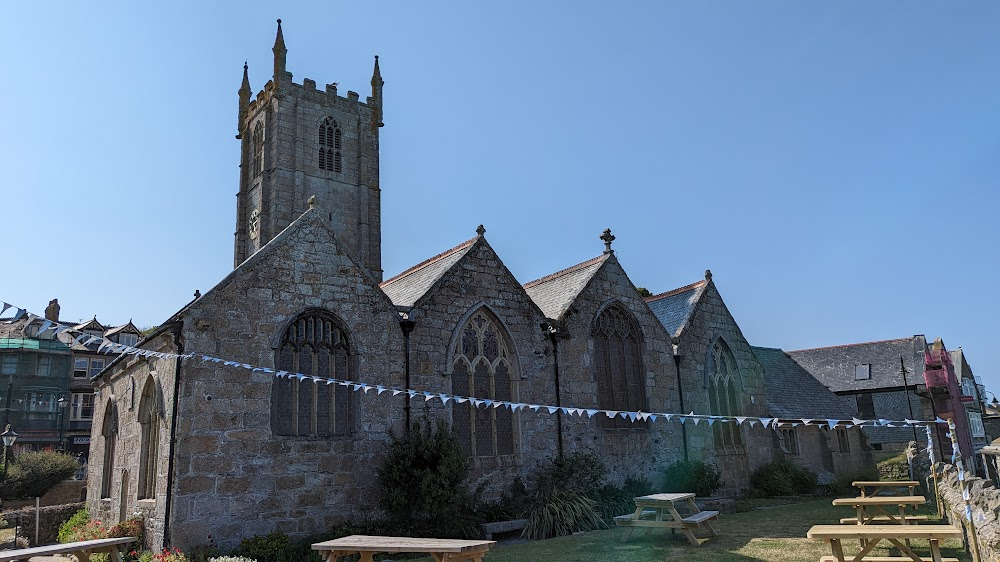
63	403
9	437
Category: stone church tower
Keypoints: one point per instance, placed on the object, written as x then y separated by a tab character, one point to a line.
297	142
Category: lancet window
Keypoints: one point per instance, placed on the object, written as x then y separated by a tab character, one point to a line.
330	143
724	394
257	148
618	366
149	422
109	431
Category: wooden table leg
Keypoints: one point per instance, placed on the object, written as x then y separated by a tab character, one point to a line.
935	550
838	551
905	549
82	556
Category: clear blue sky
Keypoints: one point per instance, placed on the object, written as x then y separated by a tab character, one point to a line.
834	164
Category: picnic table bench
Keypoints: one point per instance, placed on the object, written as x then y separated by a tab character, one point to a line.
82	550
894	534
872	509
659	511
441	550
876	487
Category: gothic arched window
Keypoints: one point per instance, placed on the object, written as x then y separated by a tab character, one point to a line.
330	139
724	394
149	451
109	430
315	345
257	148
483	368
618	365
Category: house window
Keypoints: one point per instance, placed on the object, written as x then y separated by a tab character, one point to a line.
44	366
789	441
843	441
330	140
621	384
96	366
866	407
976	424
80	365
863	372
8	366
128	339
724	394
149	422
82	407
484	368
257	149
109	431
315	345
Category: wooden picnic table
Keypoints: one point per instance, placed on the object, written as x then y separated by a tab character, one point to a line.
441	550
659	511
897	535
82	550
873	509
876	487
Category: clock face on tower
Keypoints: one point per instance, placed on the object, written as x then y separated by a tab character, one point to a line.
253	226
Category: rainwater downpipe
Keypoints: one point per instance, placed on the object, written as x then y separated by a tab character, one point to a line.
555	334
407	326
176	332
680	395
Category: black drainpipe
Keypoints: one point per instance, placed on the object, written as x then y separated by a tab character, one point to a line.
680	395
407	326
556	333
179	342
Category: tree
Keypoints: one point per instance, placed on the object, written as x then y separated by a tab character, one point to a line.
644	292
34	473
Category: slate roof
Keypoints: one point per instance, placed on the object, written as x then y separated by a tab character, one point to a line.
556	292
127	327
674	308
834	366
406	288
795	394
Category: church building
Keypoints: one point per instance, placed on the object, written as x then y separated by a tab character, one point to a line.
202	448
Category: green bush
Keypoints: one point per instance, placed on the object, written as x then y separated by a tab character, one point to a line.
562	513
33	473
134	527
80	527
895	468
782	477
422	483
692	476
613	500
273	547
843	484
582	473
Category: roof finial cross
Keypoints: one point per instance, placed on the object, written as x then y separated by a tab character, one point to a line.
608	239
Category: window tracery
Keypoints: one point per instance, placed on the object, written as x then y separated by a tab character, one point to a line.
724	395
618	365
330	141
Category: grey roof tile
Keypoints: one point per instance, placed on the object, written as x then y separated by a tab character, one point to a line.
793	393
406	288
834	366
674	308
556	292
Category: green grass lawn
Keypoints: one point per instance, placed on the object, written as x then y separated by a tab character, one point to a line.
769	531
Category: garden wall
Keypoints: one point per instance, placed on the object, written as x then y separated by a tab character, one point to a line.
49	519
985	509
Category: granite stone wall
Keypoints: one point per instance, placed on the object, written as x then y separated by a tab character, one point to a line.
985	498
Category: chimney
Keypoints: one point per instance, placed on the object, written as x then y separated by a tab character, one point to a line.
52	311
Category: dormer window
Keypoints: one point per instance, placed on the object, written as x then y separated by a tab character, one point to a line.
128	339
330	142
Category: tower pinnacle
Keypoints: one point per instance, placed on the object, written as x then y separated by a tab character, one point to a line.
245	93
280	54
377	84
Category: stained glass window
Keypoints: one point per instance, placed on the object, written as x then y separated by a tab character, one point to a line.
618	364
483	368
314	345
724	395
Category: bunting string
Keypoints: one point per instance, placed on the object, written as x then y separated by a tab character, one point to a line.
107	346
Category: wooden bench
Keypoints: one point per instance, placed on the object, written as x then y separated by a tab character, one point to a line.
441	550
626	520
82	550
696	519
890	559
883	519
660	511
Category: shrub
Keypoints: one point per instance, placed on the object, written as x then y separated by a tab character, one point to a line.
613	500
79	527
895	468
263	547
577	472
167	555
843	484
692	476
562	513
231	559
422	483
134	527
782	477
33	473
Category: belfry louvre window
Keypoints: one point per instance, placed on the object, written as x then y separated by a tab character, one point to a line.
724	394
330	140
484	368
618	363
315	345
257	146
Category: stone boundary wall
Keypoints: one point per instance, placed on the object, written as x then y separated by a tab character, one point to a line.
985	509
50	518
